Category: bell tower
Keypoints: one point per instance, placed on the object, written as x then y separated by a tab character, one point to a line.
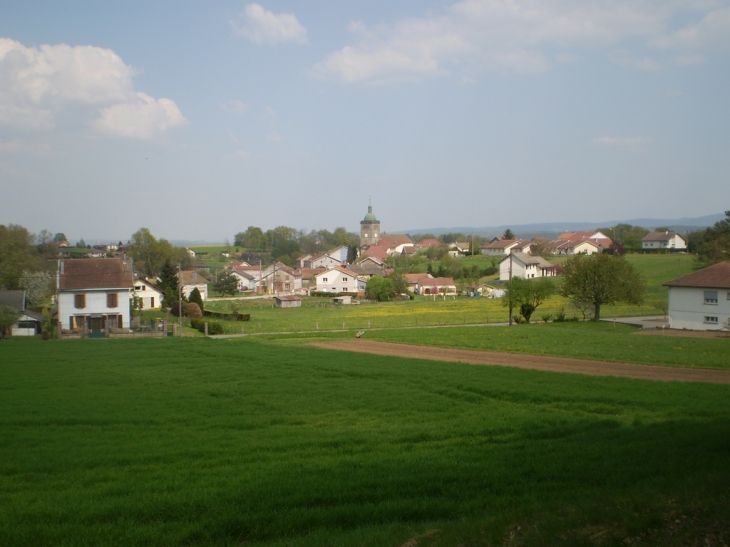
369	229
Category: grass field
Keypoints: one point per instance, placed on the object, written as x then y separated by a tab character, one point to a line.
264	442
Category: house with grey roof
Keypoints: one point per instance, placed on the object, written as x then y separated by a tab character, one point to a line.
664	240
28	322
525	266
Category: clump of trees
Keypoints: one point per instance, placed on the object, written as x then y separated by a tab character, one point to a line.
226	283
527	294
150	254
714	245
601	279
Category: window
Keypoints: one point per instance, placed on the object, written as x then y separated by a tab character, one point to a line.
79	301
152	302
711	320
324	280
344	280
728	295
710	297
112	300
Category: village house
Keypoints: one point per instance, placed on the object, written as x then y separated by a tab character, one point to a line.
503	247
279	278
525	266
700	300
149	294
585	242
664	240
28	322
436	285
94	294
190	280
340	280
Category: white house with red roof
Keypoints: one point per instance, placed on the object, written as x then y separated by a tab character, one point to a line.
340	280
94	294
586	242
700	300
525	266
436	285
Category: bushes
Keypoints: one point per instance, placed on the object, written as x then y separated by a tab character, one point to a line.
213	328
192	310
227	316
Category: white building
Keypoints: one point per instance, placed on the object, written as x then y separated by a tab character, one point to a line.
700	300
149	293
94	294
340	280
664	240
190	280
525	266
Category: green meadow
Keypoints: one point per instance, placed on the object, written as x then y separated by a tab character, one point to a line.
264	441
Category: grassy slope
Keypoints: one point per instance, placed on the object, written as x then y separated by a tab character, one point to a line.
602	341
224	442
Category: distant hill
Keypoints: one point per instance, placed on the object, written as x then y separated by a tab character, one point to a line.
551	229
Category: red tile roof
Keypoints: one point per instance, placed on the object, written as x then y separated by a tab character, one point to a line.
714	277
95	273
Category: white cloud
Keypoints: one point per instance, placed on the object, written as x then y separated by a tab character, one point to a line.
265	27
141	119
39	83
711	33
517	35
235	107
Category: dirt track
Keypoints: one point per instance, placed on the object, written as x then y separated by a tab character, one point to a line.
535	362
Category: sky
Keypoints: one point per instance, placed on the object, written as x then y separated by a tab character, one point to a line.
197	119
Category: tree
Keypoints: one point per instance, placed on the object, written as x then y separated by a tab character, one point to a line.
541	247
147	252
169	281
380	288
351	254
602	279
37	285
17	254
8	317
400	284
715	246
508	234
196	298
528	294
59	237
226	284
80	244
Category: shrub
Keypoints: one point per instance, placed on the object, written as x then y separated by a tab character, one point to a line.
193	310
559	316
196	298
175	308
215	328
546	317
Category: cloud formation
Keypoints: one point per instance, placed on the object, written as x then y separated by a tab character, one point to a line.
265	27
38	83
518	35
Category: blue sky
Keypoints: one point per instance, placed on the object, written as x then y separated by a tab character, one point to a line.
199	119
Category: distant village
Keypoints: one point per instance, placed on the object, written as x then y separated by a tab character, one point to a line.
96	293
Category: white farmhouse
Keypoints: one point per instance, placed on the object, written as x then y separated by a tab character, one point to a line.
94	294
700	300
525	266
340	280
149	294
664	240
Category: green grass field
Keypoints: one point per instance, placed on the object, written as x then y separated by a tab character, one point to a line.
261	441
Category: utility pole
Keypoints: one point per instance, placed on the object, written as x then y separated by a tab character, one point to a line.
179	298
510	287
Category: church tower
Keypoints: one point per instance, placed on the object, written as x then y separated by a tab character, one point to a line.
369	229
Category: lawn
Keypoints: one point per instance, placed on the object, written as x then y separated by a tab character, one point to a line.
254	442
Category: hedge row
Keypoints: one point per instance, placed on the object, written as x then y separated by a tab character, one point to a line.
213	328
227	316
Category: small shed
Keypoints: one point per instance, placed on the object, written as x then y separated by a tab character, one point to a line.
288	302
341	300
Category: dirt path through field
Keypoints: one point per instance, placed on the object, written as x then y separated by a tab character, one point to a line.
535	362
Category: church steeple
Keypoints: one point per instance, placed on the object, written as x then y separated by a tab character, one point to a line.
369	228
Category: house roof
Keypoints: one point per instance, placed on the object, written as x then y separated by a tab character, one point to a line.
367	268
529	259
714	277
660	236
429	242
393	240
416	277
191	277
436	281
500	244
309	273
95	273
376	251
13	299
149	284
284	298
